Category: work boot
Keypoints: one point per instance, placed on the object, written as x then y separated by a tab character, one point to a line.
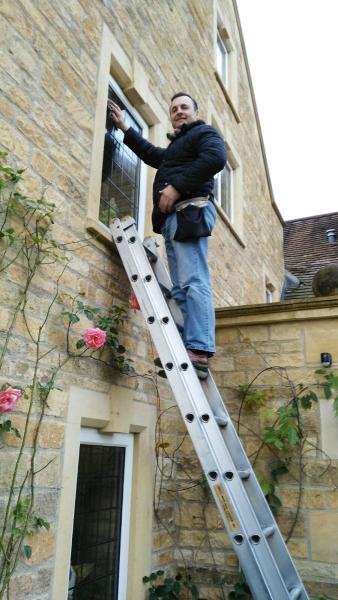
200	363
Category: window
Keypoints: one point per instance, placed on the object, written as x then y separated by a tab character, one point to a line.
222	60
224	189
100	533
121	187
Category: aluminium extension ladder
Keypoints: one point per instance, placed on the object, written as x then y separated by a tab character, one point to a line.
256	539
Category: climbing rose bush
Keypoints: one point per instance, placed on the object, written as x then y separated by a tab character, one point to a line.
8	399
94	338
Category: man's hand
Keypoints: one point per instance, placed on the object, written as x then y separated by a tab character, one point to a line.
117	116
168	197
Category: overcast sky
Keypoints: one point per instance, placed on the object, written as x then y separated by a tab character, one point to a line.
292	47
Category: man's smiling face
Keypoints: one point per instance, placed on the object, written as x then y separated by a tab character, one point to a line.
182	111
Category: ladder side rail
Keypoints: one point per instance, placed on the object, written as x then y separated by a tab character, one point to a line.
253	488
214	453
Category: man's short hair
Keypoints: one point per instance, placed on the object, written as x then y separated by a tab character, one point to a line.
185	94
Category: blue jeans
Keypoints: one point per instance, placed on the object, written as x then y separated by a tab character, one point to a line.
188	266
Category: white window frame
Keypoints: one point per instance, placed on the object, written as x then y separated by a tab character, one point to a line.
143	168
218	198
92	436
222	60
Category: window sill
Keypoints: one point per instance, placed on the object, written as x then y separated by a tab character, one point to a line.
100	231
230	226
227	97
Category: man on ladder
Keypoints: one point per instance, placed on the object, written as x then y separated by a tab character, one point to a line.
185	214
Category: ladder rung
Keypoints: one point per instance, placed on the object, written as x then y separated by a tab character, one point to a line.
295	593
269	531
244	474
221	421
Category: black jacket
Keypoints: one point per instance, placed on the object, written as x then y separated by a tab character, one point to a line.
195	154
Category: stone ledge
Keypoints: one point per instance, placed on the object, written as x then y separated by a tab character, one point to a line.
278	312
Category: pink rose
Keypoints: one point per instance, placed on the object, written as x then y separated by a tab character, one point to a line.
94	338
8	398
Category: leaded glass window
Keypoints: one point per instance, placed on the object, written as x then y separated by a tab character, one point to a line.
120	189
94	571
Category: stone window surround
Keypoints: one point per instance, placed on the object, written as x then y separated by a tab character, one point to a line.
113	412
134	83
236	224
230	91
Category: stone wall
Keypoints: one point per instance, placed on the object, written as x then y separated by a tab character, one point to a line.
49	87
278	347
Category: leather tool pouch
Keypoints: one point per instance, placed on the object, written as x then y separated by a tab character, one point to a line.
191	224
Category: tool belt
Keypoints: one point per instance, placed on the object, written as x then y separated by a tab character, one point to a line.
191	223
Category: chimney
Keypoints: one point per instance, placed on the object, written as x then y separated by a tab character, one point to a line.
331	236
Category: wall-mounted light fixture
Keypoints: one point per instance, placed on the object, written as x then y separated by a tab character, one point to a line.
326	359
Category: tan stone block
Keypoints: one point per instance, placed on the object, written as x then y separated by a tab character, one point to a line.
222	363
211	593
32	132
232	560
50	126
323	536
75	83
47	466
292	346
255	333
9	66
7	466
311	570
191	515
286	519
51	434
5	317
13	141
292	359
219	539
250	361
67	163
24	56
31	184
235	378
42	544
162	539
18	97
165	558
53	85
20	587
285	331
80	115
332	498
21	326
17	17
6	108
43	165
194	537
320	336
212	517
298	548
205	557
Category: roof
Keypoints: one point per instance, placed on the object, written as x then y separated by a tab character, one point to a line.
306	250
